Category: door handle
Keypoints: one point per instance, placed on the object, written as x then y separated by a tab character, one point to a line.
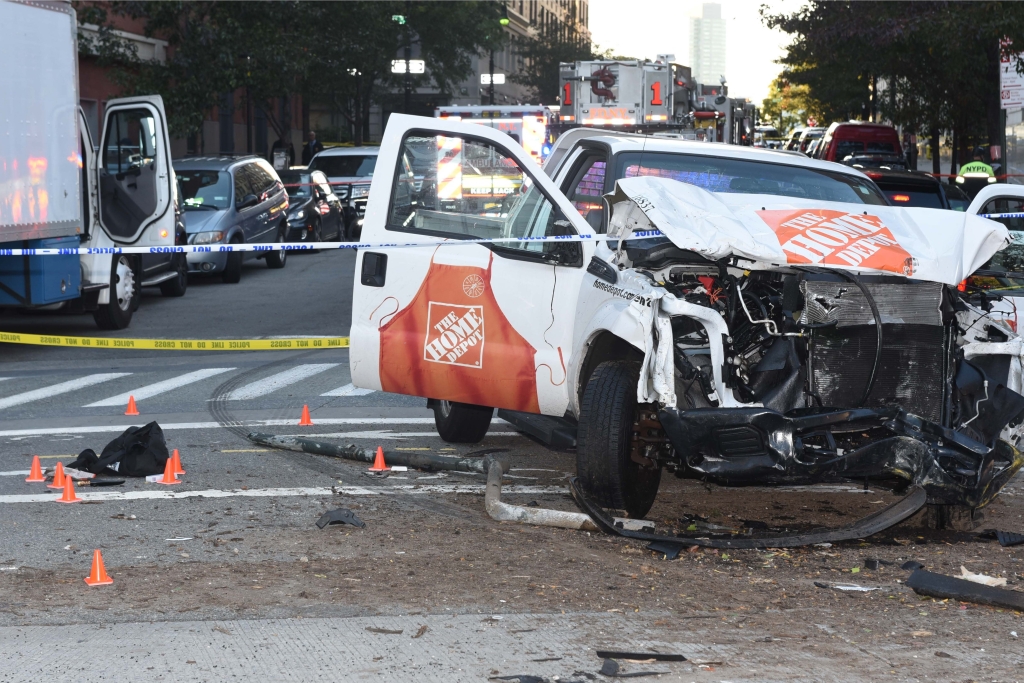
375	267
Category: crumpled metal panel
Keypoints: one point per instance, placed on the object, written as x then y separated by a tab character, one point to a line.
914	303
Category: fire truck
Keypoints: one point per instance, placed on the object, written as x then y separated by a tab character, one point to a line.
659	97
529	125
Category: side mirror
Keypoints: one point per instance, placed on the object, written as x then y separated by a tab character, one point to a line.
247	201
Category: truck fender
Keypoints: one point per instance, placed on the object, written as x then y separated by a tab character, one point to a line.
617	331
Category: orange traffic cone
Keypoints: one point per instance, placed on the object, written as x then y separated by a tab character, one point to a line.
35	475
176	459
305	421
58	477
69	492
98	576
169	477
132	410
378	462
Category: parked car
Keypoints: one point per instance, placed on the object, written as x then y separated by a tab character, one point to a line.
719	320
807	136
909	188
793	143
857	137
232	200
1003	274
314	211
349	170
957	198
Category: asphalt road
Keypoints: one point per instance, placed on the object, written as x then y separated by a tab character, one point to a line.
226	575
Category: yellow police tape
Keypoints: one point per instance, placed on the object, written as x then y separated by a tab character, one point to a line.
176	344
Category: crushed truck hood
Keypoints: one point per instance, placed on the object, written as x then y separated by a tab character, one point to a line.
771	231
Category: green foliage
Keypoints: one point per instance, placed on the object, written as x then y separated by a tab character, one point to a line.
338	52
928	65
789	105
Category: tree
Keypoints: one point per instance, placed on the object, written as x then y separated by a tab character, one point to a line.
790	105
541	55
928	65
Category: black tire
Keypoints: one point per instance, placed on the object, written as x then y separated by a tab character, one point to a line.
605	469
124	294
179	285
233	269
461	422
278	259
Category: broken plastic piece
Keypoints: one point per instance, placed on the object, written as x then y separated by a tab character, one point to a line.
911	565
871	564
610	668
641	656
1008	538
941	586
983	579
340	516
670	550
848	587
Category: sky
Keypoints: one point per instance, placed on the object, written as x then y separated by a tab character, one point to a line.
652	27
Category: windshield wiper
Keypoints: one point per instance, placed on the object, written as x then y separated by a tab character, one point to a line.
201	206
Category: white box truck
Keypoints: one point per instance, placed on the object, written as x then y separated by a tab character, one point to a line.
57	190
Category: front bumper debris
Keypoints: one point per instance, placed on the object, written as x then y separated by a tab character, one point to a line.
762	446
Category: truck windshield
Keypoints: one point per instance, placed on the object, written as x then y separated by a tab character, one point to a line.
347	166
205	189
742	176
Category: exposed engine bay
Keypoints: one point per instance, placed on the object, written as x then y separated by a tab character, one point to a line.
807	373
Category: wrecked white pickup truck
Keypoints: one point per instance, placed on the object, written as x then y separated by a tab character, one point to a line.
725	313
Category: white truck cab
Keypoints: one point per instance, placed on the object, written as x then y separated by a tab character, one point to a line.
726	313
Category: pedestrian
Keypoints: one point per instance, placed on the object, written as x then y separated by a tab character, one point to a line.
311	148
978	165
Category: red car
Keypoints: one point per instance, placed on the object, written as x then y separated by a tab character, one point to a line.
856	137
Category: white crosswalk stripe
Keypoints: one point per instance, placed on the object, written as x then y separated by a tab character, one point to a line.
348	390
57	389
158	388
268	385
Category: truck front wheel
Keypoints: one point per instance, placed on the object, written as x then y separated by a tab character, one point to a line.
604	465
124	291
461	422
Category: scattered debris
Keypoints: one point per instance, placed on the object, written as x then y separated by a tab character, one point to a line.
911	565
634	524
221	629
183	538
384	631
423	629
941	586
547	659
503	512
983	579
850	587
670	550
940	653
100	482
871	564
340	516
641	656
862	528
921	634
1008	538
611	669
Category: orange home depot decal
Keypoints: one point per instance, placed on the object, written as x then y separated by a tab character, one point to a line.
838	238
453	342
455	335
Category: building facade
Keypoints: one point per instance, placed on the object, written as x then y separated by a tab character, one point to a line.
707	45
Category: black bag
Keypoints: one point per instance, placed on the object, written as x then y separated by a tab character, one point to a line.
138	452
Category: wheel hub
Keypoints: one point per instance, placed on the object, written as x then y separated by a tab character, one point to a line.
124	284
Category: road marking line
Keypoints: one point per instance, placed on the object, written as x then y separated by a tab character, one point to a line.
348	390
268	385
283	492
158	388
100	429
57	389
14	473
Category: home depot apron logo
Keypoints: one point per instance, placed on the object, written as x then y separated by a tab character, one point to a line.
434	347
838	238
455	335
